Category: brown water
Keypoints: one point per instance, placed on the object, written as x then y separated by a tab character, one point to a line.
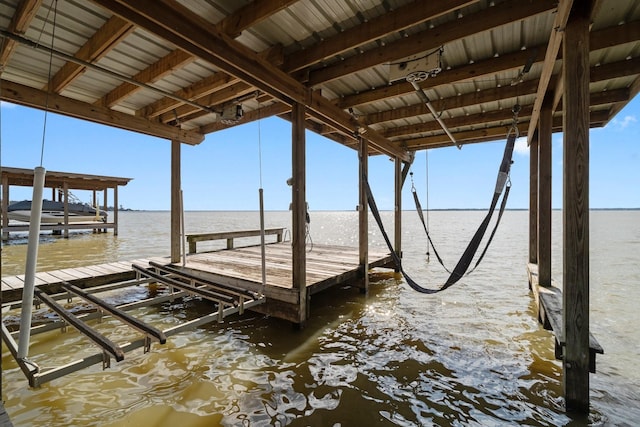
472	355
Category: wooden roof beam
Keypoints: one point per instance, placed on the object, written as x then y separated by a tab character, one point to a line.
251	14
488	66
404	17
225	94
99	44
161	68
465	100
204	87
25	12
274	109
234	24
178	25
493	133
31	97
430	39
601	73
551	55
480	119
601	39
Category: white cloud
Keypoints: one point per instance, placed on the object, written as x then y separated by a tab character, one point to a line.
624	122
521	146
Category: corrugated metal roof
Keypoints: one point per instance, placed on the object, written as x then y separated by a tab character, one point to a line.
303	26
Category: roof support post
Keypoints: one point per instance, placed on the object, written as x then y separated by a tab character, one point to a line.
5	208
397	235
115	210
105	203
299	210
545	130
65	187
533	199
363	214
576	208
175	200
94	204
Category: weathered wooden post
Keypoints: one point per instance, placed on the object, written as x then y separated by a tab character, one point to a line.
363	214
175	201
115	210
533	200
5	208
65	189
576	207
299	209
545	131
397	235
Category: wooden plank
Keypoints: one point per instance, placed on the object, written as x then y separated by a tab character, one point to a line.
47	277
13	282
62	275
549	301
221	235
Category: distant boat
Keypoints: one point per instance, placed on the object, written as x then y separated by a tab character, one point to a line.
53	212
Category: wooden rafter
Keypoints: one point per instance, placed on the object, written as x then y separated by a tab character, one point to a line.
251	14
110	34
196	36
511	60
221	96
551	54
204	87
484	134
20	21
164	66
504	115
232	25
487	67
393	21
430	39
465	100
600	73
31	97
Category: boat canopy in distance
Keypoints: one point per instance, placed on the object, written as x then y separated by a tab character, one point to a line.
54	179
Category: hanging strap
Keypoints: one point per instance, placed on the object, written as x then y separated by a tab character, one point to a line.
503	176
466	258
424	225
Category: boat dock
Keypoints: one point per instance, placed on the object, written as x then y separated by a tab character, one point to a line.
231	279
61	184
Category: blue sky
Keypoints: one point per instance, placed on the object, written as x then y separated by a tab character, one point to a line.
222	173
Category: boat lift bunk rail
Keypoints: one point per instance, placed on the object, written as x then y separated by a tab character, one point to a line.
228	301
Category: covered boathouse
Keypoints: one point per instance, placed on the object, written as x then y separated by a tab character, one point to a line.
385	77
61	184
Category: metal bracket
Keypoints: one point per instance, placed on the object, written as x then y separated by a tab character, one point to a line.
106	360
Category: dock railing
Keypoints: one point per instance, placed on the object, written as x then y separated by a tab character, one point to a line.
229	236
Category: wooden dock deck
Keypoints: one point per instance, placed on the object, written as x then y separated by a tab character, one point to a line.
230	278
241	267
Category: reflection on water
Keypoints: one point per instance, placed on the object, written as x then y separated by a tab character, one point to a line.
473	355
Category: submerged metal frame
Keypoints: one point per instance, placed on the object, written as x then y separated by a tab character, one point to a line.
36	376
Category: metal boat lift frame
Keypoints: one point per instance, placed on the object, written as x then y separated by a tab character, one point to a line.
229	301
